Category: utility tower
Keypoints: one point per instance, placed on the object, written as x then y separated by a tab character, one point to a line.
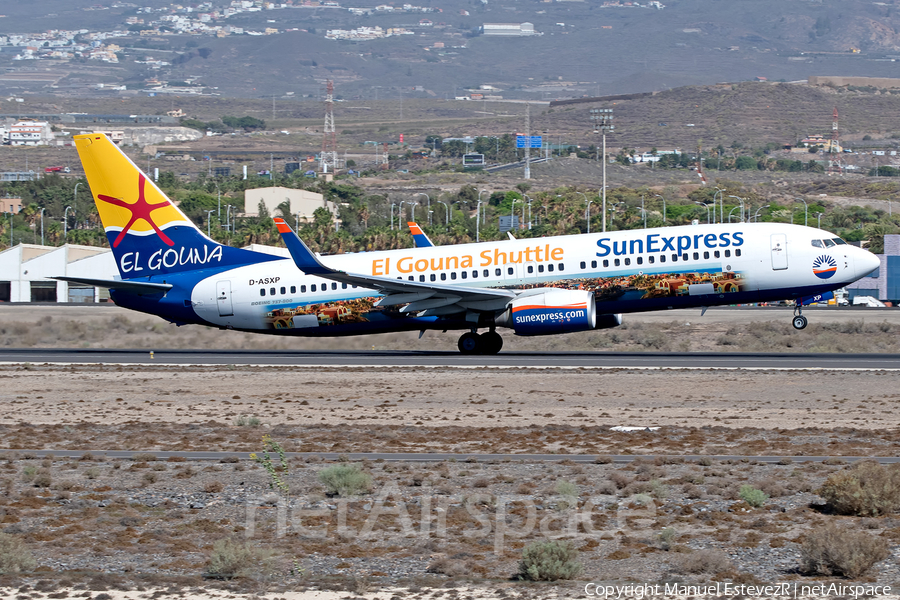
835	165
329	156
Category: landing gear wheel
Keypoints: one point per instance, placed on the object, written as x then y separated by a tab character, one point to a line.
491	342
800	322
470	343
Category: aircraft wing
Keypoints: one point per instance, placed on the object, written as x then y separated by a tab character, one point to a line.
137	287
432	298
419	237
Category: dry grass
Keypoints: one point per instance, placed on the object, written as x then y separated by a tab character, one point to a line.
837	550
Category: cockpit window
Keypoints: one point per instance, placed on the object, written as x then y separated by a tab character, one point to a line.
838	241
818	244
829	243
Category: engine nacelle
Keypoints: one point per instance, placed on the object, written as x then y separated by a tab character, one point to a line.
552	310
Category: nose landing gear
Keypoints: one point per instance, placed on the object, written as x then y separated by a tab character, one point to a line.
486	343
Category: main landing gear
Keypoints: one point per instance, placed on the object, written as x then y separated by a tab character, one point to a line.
486	343
799	322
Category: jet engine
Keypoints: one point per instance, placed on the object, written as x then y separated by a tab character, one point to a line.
550	310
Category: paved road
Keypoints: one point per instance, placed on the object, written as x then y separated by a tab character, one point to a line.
431	457
609	360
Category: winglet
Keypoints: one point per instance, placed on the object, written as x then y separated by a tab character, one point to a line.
419	238
303	257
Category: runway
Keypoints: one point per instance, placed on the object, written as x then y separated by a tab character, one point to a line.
437	456
512	360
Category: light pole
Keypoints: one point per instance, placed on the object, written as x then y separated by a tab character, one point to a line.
42	227
393	204
208	220
218	201
414	205
587	215
447	211
400	215
478	211
719	193
602	118
429	204
819	220
643	212
706	206
734	208
741	200
529	211
756	214
228	223
66	222
664	205
805	210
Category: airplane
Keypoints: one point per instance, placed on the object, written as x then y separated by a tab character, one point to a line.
534	286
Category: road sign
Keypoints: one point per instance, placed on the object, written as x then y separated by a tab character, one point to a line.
534	141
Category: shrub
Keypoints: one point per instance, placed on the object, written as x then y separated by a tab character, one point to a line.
247	421
213	487
230	559
14	555
549	561
703	561
753	496
566	488
449	566
43	479
345	480
834	550
150	477
865	489
667	537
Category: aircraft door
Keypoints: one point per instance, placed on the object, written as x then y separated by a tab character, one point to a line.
779	252
223	298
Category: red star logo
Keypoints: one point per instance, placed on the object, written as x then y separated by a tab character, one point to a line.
139	210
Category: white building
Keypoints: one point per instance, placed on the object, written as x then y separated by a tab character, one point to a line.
26	269
508	29
30	133
302	202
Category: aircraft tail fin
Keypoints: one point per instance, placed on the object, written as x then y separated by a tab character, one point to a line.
148	234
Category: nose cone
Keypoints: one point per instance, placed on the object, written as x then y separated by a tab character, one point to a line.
866	262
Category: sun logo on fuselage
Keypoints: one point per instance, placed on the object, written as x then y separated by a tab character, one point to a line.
824	266
139	210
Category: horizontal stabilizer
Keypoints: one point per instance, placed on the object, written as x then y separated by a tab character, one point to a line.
144	287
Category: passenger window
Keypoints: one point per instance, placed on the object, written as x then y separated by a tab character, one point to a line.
465	274
433	277
540	268
706	254
302	289
343	286
510	271
334	286
293	289
531	268
616	262
550	267
696	256
283	291
737	252
271	291
486	273
728	254
498	272
817	244
443	277
312	288
716	254
627	262
354	287
662	258
583	265
561	266
262	291
684	256
453	275
605	263
411	278
593	264
829	243
640	260
421	278
651	259
674	258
